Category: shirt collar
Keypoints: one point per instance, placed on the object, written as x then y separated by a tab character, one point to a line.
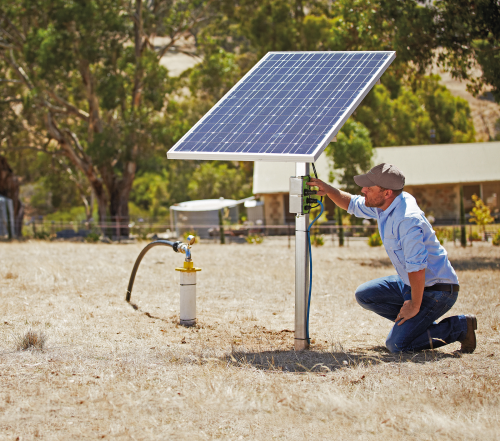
393	205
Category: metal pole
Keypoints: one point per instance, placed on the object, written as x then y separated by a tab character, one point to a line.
301	270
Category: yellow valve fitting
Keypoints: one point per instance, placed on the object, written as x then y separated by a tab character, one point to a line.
188	268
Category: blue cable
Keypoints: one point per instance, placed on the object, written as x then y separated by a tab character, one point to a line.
311	266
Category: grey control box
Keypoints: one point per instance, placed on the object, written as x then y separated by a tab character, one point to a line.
296	195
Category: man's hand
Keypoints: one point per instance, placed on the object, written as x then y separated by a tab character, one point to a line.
411	307
323	187
408	311
341	198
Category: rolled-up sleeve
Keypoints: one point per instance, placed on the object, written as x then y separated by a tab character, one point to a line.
359	209
412	243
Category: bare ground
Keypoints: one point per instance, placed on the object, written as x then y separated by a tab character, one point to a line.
111	371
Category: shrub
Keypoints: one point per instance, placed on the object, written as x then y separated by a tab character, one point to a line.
42	235
317	240
93	237
474	236
191	233
443	234
374	240
254	238
496	239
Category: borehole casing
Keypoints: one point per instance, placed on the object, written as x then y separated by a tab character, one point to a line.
188	298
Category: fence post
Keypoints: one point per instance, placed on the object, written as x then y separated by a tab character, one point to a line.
463	234
221	229
341	229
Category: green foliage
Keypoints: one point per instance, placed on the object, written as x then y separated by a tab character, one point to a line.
254	238
212	180
150	193
84	52
314	212
351	154
93	236
443	234
375	240
496	239
317	240
481	214
474	237
470	34
41	235
409	117
191	233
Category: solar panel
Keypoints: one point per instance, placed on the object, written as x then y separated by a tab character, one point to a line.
288	107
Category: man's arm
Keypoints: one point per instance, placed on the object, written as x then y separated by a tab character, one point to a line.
412	307
341	198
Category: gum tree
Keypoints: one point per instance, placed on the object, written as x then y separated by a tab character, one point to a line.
83	80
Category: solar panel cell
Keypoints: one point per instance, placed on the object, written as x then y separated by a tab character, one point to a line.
287	108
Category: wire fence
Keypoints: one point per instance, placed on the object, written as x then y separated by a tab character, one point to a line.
144	229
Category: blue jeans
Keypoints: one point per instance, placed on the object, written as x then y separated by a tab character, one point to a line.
386	296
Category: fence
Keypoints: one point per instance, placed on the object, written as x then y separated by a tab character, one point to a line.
146	229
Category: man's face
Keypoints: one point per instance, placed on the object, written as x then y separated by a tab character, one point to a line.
374	196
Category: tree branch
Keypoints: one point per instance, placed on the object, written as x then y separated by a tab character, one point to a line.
11	100
14	28
6	46
69	107
136	93
19	70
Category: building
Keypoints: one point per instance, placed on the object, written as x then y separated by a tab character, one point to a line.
434	174
202	217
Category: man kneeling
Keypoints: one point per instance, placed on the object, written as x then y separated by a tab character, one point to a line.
426	286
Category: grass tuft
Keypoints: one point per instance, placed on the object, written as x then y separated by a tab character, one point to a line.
32	340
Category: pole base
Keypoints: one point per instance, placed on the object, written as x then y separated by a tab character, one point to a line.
301	345
188	323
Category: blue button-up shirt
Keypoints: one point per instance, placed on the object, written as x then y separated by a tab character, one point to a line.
408	238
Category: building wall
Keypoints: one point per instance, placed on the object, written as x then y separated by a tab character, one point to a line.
443	201
440	201
274	209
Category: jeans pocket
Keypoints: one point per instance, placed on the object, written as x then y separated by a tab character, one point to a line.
439	303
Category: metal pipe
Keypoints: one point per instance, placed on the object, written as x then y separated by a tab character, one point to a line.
301	270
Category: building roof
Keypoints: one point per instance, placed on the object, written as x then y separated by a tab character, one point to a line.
444	163
421	165
209	204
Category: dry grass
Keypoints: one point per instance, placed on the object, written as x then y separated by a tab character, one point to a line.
31	340
112	371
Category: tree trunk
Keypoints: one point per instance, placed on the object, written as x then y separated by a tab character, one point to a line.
9	187
119	193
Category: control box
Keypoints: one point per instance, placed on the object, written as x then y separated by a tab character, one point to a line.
300	195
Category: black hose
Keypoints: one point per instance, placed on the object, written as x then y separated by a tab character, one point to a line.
174	245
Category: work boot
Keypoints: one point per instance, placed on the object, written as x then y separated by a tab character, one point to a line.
469	342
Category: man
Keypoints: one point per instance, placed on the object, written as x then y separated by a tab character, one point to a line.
426	286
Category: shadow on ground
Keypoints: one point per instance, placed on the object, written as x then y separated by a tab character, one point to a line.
473	264
477	263
329	361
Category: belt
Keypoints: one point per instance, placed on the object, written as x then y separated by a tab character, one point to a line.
443	287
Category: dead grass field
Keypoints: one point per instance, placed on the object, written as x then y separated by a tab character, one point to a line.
111	371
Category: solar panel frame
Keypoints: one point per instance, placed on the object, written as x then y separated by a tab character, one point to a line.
278	157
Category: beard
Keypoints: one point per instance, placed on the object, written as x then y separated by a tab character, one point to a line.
374	202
